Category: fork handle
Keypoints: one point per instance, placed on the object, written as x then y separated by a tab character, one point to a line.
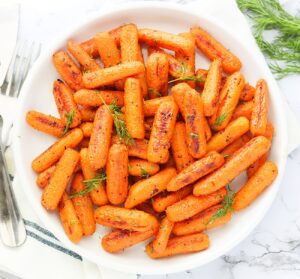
12	228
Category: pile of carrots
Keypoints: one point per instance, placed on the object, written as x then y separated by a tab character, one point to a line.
149	148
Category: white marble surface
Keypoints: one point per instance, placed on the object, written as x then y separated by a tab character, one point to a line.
273	249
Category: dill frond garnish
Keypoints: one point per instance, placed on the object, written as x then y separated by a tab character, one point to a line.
70	117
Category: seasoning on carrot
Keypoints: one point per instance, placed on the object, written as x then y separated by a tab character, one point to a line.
142	168
160	242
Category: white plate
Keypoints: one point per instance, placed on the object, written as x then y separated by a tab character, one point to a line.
37	95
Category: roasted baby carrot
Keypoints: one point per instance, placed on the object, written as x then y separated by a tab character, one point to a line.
84	59
239	162
66	104
178	92
162	131
98	193
207	130
213	49
229	98
243	109
157	75
179	147
196	170
202	221
210	94
180	245
229	150
201	74
233	131
68	70
125	219
257	164
60	179
88	113
192	205
138	149
95	98
151	106
258	122
165	199
142	168
100	138
55	151
45	123
118	240
134	112
160	242
247	93
147	188
83	205
86	128
194	123
44	177
108	76
165	40
257	183
69	219
89	47
117	173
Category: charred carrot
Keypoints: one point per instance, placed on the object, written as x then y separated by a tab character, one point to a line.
60	179
233	131
210	94
44	177
160	242
165	199
258	182
117	173
142	168
258	122
202	221
148	188
194	123
95	98
178	92
213	49
151	106
45	123
239	162
196	170
125	219
98	193
100	138
192	205
83	206
181	245
179	147
84	59
162	131
65	104
157	75
229	98
55	151
108	76
134	113
118	240
68	70
69	219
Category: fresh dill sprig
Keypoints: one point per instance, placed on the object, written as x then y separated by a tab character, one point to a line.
186	78
144	173
227	206
90	184
118	118
219	121
285	47
70	117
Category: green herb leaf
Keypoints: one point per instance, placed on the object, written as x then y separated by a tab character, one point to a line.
227	206
226	156
186	78
70	117
144	173
219	120
193	136
269	15
120	124
90	184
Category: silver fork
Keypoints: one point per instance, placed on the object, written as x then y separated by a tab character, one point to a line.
12	229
